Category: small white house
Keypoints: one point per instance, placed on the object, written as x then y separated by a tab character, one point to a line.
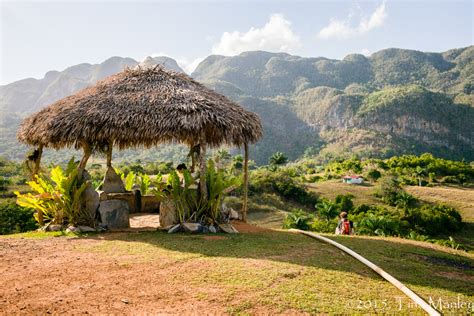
353	179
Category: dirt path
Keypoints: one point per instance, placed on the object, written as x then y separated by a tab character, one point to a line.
51	276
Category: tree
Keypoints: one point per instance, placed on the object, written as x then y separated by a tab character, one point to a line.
278	158
327	210
419	172
405	200
344	202
374	175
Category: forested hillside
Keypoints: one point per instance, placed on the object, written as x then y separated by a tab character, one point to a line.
394	102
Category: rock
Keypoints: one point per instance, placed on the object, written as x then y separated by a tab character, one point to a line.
53	228
136	186
101	228
192	227
228	228
112	182
72	229
91	200
167	213
114	214
174	229
205	229
212	229
102	195
86	229
233	214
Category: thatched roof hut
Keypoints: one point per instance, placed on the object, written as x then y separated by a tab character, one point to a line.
142	108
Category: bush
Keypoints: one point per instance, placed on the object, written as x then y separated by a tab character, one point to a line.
298	219
344	202
15	219
389	189
380	225
280	182
374	174
323	226
4	183
434	220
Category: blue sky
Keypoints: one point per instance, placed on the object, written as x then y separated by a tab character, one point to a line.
40	36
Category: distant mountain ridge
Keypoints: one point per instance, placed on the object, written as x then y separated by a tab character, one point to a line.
395	101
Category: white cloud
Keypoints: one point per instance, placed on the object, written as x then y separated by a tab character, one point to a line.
365	52
276	36
343	29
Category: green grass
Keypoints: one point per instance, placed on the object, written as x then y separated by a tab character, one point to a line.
282	271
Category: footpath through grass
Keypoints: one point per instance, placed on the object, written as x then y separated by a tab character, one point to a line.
278	271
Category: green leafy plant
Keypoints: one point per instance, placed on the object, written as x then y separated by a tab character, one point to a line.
183	191
278	158
58	196
15	219
298	219
327	210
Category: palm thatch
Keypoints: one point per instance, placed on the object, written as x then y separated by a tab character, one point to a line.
142	107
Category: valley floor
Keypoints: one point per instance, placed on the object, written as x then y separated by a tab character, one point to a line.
262	271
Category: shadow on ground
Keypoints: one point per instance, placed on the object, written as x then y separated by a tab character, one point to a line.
412	263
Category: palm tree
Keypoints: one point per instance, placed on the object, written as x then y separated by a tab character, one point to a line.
278	158
419	172
327	210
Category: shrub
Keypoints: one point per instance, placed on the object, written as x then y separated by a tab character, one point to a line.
380	225
278	158
280	182
324	226
4	182
388	190
298	219
374	174
15	219
344	202
434	220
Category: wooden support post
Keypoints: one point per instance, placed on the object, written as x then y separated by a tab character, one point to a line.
246	183
37	161
82	165
109	154
202	170
36	169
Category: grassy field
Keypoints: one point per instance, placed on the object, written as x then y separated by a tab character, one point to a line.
272	271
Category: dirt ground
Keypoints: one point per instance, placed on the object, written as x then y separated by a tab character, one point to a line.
50	275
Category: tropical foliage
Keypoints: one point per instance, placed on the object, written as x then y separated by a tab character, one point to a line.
58	196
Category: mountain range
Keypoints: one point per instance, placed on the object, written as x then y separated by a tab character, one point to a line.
393	102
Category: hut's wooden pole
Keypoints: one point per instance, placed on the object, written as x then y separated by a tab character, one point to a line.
202	171
36	170
109	154
37	162
246	183
83	163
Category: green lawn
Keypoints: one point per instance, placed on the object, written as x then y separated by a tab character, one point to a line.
279	271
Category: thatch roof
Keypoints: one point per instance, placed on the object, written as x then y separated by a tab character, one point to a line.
142	107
